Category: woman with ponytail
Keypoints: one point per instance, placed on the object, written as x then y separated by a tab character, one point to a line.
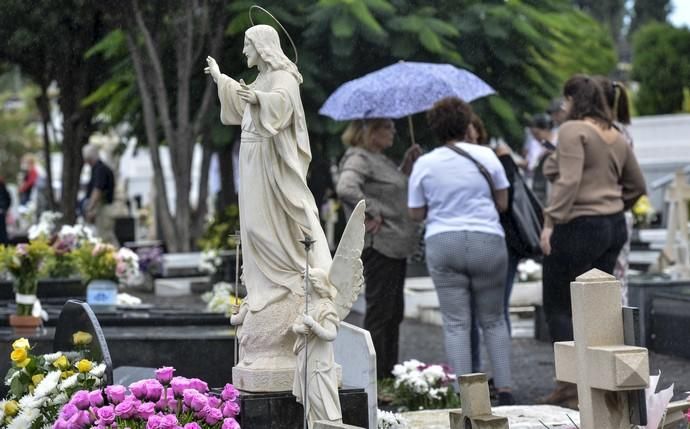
595	178
617	99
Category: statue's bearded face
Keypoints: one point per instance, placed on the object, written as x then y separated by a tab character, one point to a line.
250	52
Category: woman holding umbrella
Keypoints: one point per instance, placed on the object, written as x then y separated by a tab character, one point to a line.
366	173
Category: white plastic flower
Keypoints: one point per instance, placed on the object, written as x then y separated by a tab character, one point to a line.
31	401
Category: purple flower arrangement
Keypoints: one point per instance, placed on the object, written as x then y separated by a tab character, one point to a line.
166	402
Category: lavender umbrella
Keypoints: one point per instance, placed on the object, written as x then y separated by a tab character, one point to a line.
402	89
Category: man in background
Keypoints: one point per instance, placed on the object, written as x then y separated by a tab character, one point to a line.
5	203
98	209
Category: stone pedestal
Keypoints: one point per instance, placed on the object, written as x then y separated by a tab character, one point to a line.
280	410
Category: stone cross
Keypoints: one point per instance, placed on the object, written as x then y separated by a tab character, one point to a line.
598	361
476	406
677	248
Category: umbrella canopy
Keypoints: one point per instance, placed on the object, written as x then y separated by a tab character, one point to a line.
402	89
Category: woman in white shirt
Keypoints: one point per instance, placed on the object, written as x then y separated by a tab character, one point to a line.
465	248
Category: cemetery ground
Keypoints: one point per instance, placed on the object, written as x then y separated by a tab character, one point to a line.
532	360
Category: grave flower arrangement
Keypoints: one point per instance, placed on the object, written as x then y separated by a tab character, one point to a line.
40	384
643	212
163	402
63	263
25	262
100	261
419	386
221	299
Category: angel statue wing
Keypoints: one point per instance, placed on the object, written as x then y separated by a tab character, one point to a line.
346	273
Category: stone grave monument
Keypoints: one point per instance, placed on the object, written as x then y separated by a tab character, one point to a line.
598	361
676	252
476	406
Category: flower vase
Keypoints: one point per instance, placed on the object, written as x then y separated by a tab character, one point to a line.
25	296
101	295
25	289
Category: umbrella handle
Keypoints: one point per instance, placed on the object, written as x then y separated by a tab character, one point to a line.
411	127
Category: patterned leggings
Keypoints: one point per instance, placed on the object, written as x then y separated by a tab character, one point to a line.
469	268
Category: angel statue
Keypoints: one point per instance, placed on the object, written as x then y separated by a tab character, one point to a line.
328	301
277	210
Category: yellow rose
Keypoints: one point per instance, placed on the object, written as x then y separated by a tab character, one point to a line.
18	355
66	374
61	362
21	343
24	363
36	379
11	408
81	338
84	365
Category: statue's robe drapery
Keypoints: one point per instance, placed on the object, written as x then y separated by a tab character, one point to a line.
276	207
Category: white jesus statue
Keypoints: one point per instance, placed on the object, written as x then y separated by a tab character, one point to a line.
277	210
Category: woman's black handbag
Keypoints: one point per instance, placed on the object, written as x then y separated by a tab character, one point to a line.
524	221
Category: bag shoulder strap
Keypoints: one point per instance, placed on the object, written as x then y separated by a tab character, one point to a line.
480	167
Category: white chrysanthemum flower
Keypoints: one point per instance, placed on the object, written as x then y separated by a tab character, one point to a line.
60	399
98	370
24	419
31	401
434	373
399	370
388	420
412	364
48	385
2	410
52	357
73	356
69	382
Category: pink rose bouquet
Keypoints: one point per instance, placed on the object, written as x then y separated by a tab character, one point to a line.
166	402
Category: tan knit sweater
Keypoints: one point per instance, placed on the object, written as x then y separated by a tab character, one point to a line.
589	175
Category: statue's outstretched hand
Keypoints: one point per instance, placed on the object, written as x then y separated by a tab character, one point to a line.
247	94
212	68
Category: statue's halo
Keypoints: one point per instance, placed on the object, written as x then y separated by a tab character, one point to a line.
251	19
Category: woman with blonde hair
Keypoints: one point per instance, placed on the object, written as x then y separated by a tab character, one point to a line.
367	173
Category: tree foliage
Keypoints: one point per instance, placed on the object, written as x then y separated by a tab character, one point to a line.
18	134
645	11
48	39
662	67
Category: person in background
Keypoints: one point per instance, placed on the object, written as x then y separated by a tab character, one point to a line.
5	203
465	248
99	195
541	128
31	176
557	112
617	99
595	178
366	173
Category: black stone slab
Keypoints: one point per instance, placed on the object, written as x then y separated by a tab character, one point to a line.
641	290
77	316
143	315
280	410
53	291
204	352
670	319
